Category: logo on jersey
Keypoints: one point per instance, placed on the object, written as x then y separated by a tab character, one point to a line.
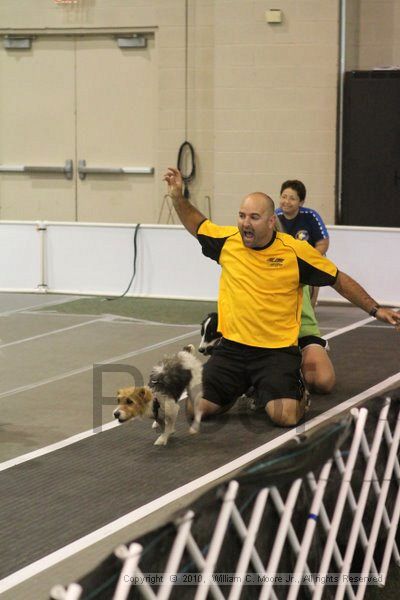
303	235
275	262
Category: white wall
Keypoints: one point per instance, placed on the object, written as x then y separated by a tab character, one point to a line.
98	259
258	101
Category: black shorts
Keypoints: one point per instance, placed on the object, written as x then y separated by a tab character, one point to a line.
233	368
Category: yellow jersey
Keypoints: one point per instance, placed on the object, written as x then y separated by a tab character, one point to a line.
260	289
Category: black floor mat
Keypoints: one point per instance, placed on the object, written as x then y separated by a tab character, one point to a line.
53	500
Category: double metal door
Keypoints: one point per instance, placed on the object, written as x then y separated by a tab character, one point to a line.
77	130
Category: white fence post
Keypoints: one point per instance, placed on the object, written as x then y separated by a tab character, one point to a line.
131	557
217	539
280	539
379	510
337	515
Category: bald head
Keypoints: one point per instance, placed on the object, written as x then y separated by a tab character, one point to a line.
256	220
260	203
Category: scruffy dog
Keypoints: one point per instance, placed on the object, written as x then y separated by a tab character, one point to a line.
159	400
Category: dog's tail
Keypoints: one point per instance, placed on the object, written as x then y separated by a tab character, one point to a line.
190	348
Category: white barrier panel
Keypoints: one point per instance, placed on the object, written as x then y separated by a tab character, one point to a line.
93	258
20	256
98	259
371	256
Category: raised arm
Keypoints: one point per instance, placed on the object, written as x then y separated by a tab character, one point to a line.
188	214
352	291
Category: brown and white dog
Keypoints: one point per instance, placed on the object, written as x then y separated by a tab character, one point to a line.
160	399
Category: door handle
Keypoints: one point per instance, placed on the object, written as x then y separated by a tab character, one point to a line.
83	170
396	178
66	170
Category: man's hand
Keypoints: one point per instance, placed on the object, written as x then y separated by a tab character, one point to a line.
389	316
174	180
189	215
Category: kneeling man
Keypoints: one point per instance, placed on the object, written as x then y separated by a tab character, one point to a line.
259	304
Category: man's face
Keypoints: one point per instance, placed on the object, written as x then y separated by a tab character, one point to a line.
290	203
256	221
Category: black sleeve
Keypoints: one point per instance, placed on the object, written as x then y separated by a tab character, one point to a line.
211	247
310	275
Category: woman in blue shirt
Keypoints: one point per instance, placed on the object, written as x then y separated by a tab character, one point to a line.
300	222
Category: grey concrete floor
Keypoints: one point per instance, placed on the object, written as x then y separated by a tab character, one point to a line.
46	391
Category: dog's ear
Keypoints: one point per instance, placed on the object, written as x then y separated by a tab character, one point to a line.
144	395
190	349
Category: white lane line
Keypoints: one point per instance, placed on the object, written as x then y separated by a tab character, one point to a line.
122	319
348	404
143	511
372	326
135	321
99	319
376	326
56	446
31	386
328	336
54	332
117	318
56	313
6	313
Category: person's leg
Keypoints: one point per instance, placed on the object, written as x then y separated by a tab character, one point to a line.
317	368
275	374
207	408
287	412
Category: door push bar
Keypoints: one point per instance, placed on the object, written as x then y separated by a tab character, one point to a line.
67	169
83	170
